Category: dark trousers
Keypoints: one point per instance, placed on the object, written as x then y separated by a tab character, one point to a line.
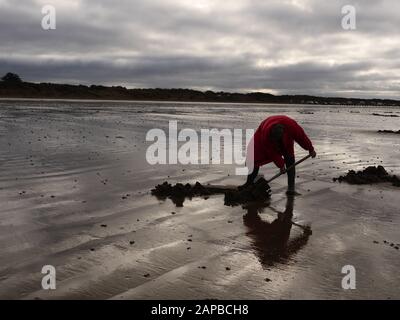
291	174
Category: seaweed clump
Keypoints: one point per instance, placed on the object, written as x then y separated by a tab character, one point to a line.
178	192
259	191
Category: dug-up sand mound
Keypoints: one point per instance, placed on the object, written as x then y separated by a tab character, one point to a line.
369	175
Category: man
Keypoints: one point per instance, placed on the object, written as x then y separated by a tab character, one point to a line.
273	141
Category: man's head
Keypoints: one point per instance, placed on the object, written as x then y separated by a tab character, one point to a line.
276	133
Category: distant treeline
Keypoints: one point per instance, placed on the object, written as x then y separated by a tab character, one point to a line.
11	86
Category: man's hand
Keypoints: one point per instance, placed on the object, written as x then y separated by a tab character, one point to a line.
282	170
313	154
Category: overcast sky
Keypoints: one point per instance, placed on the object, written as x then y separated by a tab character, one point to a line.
282	47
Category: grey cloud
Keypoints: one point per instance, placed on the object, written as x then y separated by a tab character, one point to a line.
237	45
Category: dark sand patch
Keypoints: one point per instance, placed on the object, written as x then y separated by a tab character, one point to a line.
368	176
385	115
389	131
306	112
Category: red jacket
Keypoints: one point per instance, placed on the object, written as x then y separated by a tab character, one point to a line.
266	151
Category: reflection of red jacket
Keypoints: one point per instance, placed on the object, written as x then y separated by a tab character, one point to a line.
265	151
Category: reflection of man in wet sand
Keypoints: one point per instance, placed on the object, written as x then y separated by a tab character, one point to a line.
273	141
271	240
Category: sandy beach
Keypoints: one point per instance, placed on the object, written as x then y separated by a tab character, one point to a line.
75	193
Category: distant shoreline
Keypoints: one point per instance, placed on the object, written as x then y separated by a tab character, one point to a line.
16	99
16	89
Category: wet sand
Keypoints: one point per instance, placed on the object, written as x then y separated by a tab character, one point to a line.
75	194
